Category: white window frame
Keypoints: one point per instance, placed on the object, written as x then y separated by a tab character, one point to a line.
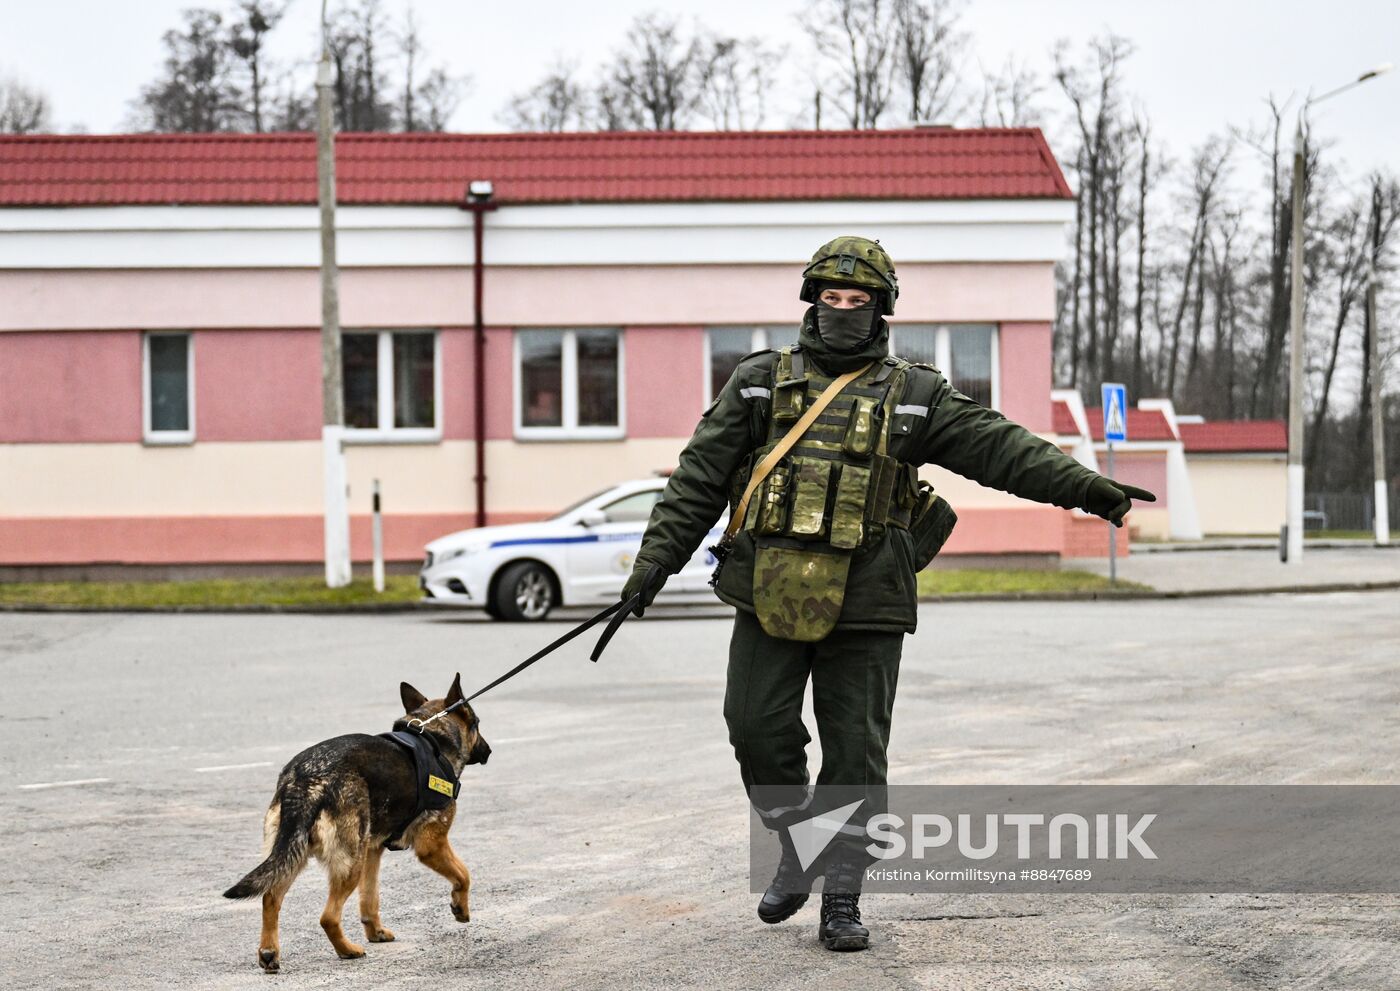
149	435
386	432
568	371
758	340
943	350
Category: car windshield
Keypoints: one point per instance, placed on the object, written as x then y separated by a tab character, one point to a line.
575	505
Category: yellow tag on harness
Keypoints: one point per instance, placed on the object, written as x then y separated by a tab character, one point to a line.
439	785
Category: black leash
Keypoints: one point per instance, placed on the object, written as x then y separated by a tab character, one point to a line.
623	610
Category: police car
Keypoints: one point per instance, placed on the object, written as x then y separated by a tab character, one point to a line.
579	557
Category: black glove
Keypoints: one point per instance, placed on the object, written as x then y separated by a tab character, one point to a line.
647	579
1112	500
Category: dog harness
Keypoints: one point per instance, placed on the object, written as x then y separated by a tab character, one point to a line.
437	784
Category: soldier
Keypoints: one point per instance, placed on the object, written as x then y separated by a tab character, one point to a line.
822	573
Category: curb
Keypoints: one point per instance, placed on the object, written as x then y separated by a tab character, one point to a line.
349	608
1187	593
371	608
1311	545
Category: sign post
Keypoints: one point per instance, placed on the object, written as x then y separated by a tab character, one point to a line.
1115	431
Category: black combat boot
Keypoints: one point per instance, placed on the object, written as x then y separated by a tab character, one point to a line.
790	889
840	926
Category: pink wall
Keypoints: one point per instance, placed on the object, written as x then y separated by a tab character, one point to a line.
1025	374
257	385
664	372
215	539
73	387
459	383
1147	469
247	539
566	295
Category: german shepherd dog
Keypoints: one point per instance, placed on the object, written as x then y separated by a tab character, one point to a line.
341	801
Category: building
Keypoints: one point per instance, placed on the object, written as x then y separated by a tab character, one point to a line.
159	322
1217	477
1239	472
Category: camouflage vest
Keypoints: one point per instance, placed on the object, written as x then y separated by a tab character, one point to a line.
834	491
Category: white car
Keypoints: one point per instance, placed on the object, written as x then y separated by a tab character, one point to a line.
581	557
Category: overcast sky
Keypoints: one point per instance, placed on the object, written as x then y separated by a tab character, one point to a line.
1199	65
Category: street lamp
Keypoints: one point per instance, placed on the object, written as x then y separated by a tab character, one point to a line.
1293	551
335	502
479	202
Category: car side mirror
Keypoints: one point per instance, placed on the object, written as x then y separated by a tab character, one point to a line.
592	517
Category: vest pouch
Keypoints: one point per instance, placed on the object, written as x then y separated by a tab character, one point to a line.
933	521
862	429
848	512
771	513
789	400
811	479
798	589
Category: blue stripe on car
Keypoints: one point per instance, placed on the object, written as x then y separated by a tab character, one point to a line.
584	538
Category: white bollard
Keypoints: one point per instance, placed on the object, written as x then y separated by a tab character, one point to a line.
378	542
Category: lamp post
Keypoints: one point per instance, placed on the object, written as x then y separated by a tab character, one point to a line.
1381	513
1294	545
479	202
336	507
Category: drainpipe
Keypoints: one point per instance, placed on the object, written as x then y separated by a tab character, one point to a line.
479	202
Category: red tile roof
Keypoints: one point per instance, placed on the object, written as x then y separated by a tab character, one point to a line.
614	167
1143	424
1235	436
1062	419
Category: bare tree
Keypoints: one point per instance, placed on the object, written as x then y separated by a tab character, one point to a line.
927	42
1345	244
1142	130
1093	95
360	87
656	81
254	20
196	91
1009	97
558	102
436	99
423	104
1207	167
23	109
856	39
738	76
1381	227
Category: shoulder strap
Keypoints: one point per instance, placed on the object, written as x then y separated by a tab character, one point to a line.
785	444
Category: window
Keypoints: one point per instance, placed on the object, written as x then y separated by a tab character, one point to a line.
391	383
634	508
568	383
167	373
965	352
724	346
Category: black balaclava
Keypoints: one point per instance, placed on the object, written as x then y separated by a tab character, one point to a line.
845	339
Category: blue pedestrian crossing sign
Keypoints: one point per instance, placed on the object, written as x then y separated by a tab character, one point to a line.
1115	412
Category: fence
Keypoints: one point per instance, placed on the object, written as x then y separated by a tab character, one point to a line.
1345	510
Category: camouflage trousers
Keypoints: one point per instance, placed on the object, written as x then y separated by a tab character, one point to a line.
853	675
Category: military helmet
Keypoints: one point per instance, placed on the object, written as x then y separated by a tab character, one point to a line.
853	261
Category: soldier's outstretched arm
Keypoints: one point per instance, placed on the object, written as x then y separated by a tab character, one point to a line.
698	490
981	444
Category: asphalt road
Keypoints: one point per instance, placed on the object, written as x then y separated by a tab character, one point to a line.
608	836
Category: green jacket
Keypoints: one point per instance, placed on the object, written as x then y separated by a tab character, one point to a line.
956	433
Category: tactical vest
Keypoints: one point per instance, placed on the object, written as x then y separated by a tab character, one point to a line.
437	784
833	492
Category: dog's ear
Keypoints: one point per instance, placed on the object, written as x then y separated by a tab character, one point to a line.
412	697
454	694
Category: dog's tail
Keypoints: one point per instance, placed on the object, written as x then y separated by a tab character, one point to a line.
287	855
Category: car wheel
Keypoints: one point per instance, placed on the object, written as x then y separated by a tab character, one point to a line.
525	592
